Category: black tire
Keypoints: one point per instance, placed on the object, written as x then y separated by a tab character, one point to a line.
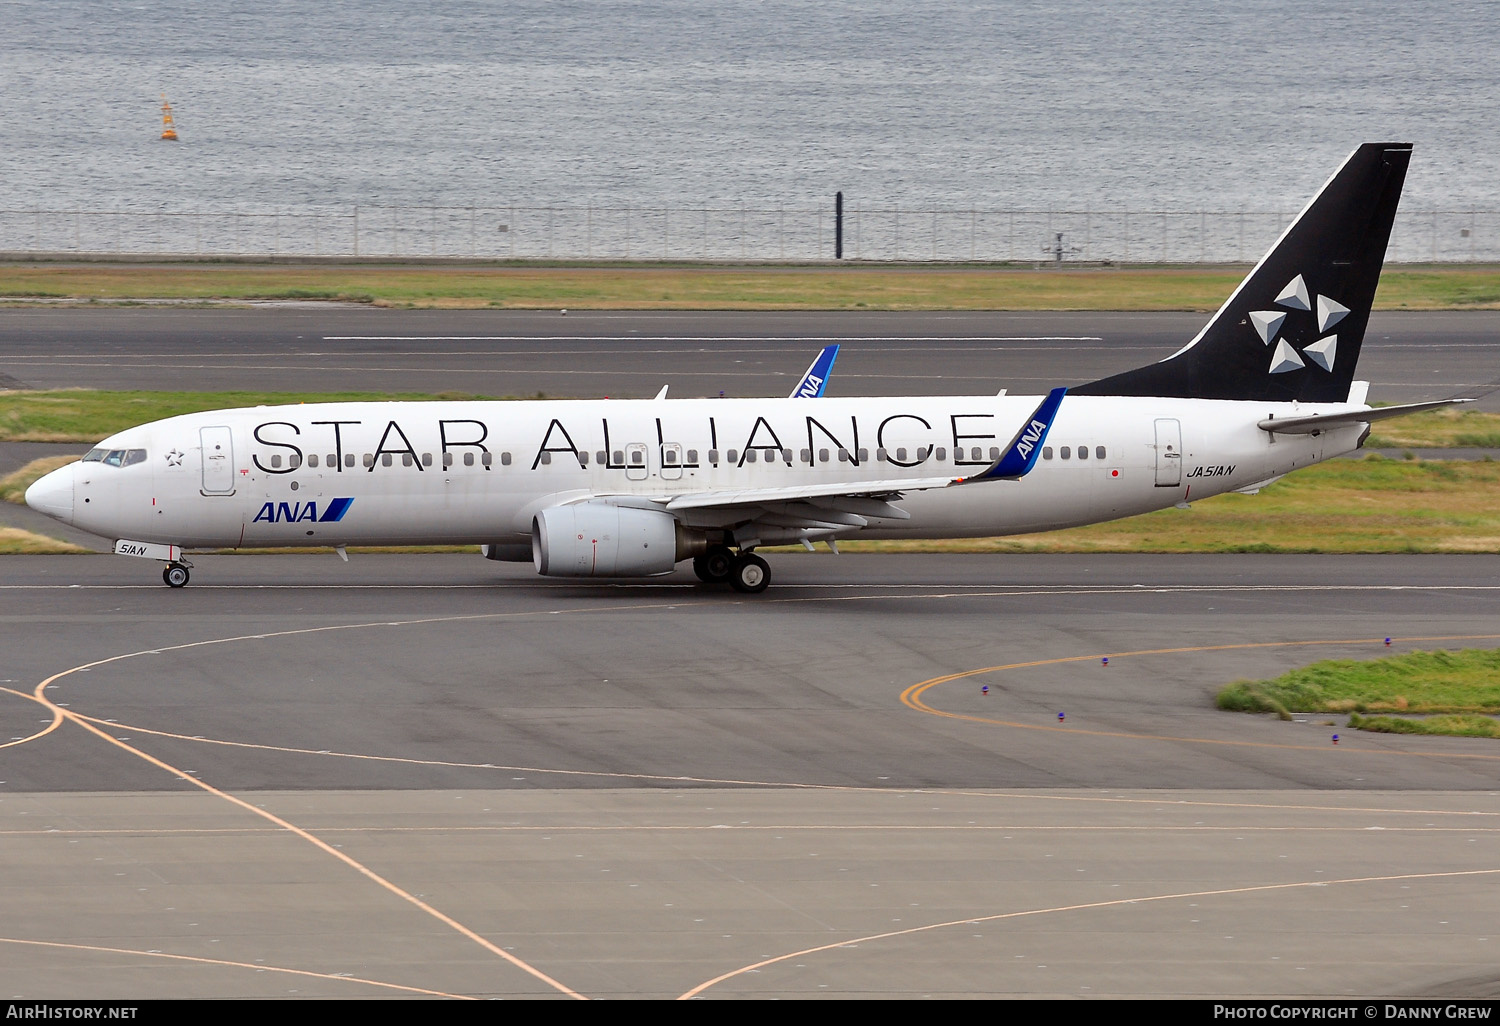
715	565
751	575
175	576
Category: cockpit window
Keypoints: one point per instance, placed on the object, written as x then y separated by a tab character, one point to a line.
116	457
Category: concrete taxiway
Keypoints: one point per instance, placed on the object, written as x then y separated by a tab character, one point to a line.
888	776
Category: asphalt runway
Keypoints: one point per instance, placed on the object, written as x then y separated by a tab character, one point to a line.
1408	357
889	776
441	776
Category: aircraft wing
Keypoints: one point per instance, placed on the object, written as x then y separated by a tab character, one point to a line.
794	493
808	510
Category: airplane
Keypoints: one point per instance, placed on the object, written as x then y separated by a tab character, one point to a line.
599	488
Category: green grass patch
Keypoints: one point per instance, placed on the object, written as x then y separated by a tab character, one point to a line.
1466	682
85	416
625	286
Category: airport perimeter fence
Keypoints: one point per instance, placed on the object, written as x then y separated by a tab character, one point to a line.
723	233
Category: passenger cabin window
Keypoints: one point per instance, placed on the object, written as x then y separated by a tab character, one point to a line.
713	456
312	459
901	454
583	458
427	459
447	459
749	455
733	454
1098	452
880	455
619	457
670	456
1064	452
406	459
942	454
1046	452
468	459
487	459
504	459
692	456
348	459
1083	452
546	459
822	455
601	456
994	452
369	459
385	459
637	457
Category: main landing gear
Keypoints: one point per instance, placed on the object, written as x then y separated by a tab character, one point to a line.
746	572
176	574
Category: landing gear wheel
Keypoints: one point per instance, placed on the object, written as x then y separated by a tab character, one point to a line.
750	575
175	574
715	565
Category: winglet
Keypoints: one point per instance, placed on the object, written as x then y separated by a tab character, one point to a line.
816	379
1024	449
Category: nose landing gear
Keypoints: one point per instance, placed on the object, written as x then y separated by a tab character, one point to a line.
175	574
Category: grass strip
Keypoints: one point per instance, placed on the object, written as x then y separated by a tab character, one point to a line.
1452	726
1350	506
16	542
13	485
713	287
85	415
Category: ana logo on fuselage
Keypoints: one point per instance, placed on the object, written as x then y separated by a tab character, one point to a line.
302	512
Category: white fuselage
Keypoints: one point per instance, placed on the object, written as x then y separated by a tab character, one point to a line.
379	473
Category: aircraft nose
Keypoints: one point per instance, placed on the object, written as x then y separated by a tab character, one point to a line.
52	494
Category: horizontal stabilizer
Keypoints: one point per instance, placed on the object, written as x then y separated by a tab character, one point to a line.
1325	421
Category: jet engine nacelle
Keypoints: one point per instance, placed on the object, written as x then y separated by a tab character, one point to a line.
600	539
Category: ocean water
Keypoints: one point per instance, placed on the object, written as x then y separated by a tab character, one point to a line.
942	104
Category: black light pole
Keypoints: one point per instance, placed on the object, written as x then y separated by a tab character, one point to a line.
838	226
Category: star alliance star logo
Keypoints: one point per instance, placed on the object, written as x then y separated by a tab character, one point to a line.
174	458
1286	357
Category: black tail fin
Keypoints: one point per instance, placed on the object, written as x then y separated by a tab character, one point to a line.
1293	328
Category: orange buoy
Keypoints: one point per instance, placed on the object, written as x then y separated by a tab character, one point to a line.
168	131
